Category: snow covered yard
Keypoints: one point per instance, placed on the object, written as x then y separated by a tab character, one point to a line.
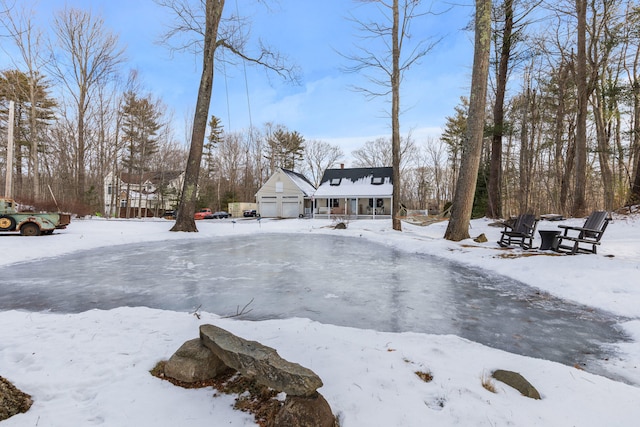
92	368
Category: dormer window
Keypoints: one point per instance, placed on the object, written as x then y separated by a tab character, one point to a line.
377	180
335	181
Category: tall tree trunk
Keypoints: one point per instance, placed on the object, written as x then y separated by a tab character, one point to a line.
494	209
80	154
603	138
395	119
184	219
579	202
458	228
558	137
568	173
634	196
525	154
33	136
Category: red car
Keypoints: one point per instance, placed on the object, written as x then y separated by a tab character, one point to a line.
203	214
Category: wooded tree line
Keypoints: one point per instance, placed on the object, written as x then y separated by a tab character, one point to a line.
78	118
563	131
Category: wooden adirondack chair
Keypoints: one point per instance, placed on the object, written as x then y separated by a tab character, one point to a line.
588	235
520	233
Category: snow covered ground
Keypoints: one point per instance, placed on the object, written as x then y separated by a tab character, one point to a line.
92	368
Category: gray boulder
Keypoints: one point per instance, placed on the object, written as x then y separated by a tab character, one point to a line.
311	411
258	361
194	362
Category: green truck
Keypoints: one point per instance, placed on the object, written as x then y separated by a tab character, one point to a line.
30	223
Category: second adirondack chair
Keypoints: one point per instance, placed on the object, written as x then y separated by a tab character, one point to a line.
585	239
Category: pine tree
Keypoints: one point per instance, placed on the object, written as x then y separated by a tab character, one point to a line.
140	128
215	136
31	118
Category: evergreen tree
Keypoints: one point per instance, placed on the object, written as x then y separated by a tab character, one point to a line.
31	118
285	149
140	123
215	136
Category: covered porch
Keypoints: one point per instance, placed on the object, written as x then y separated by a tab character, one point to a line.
354	207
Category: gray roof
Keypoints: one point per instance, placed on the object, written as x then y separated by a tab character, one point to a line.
301	181
356	182
355	174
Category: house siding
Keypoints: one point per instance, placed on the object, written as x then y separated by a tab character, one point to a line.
356	196
282	197
145	201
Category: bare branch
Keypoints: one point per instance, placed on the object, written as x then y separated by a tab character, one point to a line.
240	312
381	63
186	33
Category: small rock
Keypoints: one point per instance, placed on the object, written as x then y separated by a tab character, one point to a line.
517	381
311	411
194	362
481	239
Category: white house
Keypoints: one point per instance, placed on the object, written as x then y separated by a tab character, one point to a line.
355	193
286	194
134	195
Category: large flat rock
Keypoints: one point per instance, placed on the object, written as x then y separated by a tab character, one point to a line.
258	361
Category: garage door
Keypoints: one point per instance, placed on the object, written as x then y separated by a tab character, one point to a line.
290	209
268	208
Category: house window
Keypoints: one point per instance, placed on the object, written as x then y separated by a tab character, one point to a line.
334	203
279	187
335	181
377	180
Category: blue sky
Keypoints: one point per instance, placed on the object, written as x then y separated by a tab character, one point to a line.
310	33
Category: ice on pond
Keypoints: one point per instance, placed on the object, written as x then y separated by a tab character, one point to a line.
338	280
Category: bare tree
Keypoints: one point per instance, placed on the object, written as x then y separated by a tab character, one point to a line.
388	67
89	56
319	156
229	36
435	153
494	207
378	153
507	38
632	67
458	228
579	201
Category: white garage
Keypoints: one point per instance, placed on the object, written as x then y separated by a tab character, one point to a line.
267	207
286	194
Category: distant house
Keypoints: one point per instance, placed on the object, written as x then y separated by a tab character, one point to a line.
355	193
134	195
286	194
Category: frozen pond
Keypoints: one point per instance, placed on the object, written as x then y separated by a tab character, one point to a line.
338	280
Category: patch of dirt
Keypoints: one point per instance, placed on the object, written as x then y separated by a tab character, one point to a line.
510	253
12	400
253	398
527	254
